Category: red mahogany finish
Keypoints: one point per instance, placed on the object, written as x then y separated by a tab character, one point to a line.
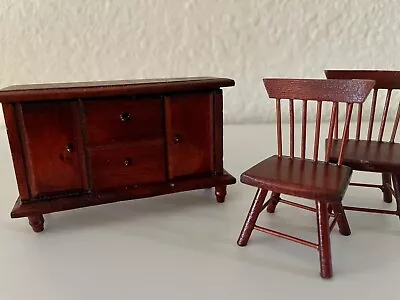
82	144
371	153
321	181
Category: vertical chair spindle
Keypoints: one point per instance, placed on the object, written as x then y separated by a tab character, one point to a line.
372	115
346	130
317	130
337	123
384	115
331	126
347	110
359	119
291	115
279	126
304	130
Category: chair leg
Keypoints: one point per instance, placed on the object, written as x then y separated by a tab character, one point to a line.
330	208
386	180
344	227
274	202
396	188
252	216
324	243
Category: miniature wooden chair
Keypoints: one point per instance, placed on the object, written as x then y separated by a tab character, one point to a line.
323	182
373	154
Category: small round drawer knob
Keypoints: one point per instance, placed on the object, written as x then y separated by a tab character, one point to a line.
177	138
125	116
69	148
128	161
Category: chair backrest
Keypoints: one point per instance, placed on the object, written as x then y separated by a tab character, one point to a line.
321	90
384	80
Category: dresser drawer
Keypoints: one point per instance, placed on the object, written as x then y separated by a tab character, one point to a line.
108	121
128	165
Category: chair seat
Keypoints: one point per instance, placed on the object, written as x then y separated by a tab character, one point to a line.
369	156
301	178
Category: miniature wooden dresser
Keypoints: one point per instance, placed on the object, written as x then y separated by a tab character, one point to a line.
81	144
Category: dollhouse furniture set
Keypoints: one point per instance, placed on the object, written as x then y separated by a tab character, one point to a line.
82	144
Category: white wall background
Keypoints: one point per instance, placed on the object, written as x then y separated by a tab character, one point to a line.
81	40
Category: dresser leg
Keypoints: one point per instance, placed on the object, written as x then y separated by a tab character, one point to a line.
36	222
220	193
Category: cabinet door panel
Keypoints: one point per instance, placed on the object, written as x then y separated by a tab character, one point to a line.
52	147
189	133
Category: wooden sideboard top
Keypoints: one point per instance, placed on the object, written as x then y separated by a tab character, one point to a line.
59	91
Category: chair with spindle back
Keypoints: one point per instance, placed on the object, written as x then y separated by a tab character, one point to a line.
372	154
321	181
